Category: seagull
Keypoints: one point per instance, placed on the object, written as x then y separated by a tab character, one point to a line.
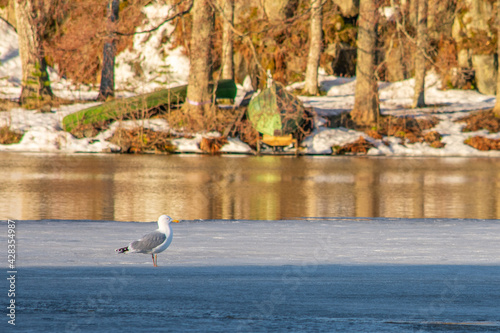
154	242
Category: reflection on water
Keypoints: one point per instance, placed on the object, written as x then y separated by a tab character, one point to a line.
142	187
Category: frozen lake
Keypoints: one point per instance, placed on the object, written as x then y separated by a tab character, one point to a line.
141	188
327	275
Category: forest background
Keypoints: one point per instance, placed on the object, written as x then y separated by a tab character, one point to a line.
374	40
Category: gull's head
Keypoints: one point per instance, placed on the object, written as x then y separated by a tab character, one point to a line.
165	220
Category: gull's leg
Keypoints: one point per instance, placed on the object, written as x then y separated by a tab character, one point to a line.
153	256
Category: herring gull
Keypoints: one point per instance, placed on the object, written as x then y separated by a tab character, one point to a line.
154	242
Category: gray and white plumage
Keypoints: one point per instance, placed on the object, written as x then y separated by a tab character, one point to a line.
154	242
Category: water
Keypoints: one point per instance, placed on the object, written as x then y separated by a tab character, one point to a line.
142	187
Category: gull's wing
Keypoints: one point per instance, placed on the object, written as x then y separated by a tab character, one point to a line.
148	242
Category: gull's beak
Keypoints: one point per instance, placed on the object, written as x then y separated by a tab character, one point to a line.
176	221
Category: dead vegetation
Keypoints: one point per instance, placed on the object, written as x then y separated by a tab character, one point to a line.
482	143
360	146
212	145
481	120
409	129
141	140
8	136
42	105
76	31
7	104
212	119
89	130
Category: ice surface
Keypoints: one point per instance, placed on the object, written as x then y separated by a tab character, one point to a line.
357	275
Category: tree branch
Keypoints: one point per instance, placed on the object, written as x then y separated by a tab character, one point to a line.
168	19
13	27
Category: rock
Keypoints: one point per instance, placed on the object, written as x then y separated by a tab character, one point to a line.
473	31
486	69
280	10
465	58
348	8
475	18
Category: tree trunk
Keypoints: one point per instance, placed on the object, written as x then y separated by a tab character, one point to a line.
496	108
366	104
35	85
107	87
419	95
227	39
198	98
315	46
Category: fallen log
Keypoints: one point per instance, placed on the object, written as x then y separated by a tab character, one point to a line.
123	107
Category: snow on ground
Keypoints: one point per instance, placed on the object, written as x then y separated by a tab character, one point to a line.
324	275
150	64
395	98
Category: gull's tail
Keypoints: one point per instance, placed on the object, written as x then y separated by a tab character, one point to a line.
122	250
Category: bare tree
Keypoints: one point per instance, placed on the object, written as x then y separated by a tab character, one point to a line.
227	39
419	95
35	79
107	87
198	96
496	108
315	46
366	103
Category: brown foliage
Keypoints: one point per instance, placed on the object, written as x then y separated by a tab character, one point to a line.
387	125
394	126
446	61
482	143
8	136
410	129
374	134
212	145
89	130
360	146
247	133
432	136
77	34
434	139
481	120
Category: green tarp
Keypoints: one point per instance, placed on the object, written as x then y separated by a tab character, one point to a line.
275	111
